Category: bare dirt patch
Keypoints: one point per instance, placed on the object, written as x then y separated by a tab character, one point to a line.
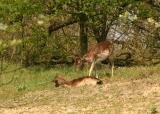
117	97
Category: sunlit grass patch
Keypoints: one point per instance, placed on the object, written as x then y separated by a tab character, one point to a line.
38	78
136	72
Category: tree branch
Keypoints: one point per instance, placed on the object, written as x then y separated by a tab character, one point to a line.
58	25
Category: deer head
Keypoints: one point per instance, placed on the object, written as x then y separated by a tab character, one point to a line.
78	62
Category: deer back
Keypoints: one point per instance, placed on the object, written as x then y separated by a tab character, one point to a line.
101	49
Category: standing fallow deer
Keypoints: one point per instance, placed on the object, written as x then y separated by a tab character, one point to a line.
98	53
82	81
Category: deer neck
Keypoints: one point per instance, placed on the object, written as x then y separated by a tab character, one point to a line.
88	57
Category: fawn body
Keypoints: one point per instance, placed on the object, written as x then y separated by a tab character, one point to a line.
60	81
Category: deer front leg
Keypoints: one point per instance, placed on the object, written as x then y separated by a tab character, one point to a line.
111	60
91	68
112	66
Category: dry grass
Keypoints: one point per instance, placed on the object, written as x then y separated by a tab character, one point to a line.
138	95
120	97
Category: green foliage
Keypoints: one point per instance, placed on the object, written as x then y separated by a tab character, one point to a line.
6	44
25	36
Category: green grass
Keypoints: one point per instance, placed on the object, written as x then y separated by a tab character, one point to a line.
34	78
31	79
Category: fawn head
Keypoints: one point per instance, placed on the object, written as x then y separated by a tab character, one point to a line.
59	80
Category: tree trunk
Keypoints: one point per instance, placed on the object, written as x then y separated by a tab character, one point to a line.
83	35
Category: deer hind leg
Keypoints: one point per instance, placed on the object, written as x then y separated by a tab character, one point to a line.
112	68
91	68
95	68
111	60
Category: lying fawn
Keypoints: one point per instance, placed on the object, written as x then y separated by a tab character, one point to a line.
60	81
